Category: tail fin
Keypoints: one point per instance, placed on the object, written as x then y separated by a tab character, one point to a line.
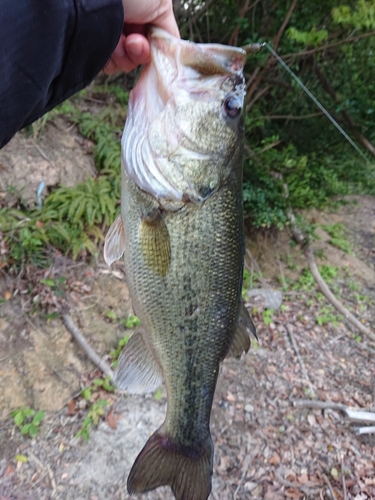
162	462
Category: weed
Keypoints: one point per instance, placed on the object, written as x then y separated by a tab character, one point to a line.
307	282
338	234
28	420
111	315
58	285
267	315
326	315
96	384
131	321
95	412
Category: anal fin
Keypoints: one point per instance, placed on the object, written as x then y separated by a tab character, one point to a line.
137	371
241	341
114	245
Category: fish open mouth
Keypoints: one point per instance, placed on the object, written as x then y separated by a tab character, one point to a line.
177	68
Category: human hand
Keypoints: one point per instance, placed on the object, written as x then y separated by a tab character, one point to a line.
133	47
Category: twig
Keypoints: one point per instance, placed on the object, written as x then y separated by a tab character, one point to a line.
300	360
329	486
343	479
35	459
52	479
75	332
255	264
41	152
291	117
245	469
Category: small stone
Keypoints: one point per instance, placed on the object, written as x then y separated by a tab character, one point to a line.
249	408
250	486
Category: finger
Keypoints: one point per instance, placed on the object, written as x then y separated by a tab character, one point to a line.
129	53
167	22
138	49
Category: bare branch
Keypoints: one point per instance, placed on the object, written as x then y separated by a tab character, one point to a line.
329	46
75	332
290	117
277	38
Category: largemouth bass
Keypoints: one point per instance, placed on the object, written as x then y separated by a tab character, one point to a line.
181	233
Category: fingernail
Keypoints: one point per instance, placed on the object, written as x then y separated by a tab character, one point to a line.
134	47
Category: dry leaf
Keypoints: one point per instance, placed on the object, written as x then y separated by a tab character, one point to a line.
111	421
275	459
293	493
230	397
7	295
9	470
72	407
303	479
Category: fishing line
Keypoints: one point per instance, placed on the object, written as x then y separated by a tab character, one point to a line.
252	48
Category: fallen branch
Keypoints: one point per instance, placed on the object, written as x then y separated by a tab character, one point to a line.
75	332
364	430
355	414
301	239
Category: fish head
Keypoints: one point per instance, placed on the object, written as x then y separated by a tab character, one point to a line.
183	138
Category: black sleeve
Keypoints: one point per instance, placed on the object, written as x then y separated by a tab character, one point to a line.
50	49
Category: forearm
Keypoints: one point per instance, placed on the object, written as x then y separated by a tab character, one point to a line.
49	50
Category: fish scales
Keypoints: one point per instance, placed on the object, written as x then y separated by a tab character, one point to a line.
191	313
181	233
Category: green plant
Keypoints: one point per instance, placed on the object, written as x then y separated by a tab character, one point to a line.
111	315
339	235
97	384
130	322
94	414
58	285
267	316
327	315
28	420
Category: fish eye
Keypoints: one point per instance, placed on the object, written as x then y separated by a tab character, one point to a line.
232	107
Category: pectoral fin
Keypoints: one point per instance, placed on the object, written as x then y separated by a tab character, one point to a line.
137	371
241	341
114	245
154	241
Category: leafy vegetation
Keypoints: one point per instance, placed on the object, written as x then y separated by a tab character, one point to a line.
28	421
95	413
294	157
72	220
339	237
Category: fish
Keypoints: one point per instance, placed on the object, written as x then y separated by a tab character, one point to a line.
181	234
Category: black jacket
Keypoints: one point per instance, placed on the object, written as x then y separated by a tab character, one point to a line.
50	49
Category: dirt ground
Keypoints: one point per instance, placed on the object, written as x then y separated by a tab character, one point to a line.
265	446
